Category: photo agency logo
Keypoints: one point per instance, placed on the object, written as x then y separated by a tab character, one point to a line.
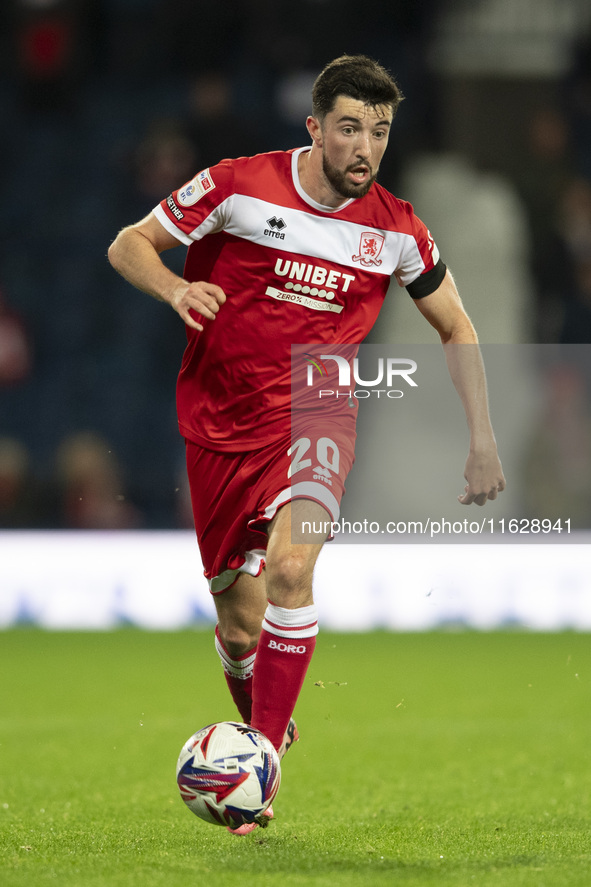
345	376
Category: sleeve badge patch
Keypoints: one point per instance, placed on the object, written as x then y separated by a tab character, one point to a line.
195	189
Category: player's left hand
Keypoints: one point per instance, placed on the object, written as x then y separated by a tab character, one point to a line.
484	476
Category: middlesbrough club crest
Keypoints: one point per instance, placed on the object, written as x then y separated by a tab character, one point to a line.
370	247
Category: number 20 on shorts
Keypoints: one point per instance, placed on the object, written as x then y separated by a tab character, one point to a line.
327	455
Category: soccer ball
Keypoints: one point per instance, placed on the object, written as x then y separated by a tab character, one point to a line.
228	773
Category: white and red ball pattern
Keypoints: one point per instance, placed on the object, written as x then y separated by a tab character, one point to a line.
228	773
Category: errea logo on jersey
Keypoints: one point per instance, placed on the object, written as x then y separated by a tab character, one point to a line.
275	228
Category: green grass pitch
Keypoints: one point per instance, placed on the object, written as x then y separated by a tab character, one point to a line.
448	759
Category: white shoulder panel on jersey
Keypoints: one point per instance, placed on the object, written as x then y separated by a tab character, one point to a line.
329	239
215	221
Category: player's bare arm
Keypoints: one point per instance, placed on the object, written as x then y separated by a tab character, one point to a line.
445	312
135	254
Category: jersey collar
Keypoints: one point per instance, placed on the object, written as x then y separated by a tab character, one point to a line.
306	197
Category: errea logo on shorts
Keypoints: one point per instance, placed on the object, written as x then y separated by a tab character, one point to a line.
286	648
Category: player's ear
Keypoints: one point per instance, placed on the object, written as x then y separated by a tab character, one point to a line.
315	130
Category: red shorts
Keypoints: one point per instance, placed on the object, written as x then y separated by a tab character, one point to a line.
235	495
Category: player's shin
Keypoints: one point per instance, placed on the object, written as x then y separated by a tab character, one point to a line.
284	652
238	674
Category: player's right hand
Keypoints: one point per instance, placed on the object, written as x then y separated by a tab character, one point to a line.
194	300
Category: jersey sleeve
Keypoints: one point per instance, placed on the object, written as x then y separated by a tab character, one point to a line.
421	269
201	206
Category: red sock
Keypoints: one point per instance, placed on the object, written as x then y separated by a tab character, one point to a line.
284	652
238	674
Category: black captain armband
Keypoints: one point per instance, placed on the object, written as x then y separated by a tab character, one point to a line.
428	282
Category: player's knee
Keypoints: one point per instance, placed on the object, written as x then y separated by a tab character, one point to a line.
289	580
237	638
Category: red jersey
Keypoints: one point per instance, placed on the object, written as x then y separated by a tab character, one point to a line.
293	272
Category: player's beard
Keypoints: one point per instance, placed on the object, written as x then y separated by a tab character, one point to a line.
339	182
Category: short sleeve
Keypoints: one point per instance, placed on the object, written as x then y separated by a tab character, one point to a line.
427	282
200	206
420	268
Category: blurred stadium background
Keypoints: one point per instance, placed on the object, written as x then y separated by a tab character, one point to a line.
107	105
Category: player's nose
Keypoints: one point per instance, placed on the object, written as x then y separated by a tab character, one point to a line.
363	147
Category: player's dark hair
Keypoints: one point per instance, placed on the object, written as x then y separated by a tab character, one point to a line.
358	77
